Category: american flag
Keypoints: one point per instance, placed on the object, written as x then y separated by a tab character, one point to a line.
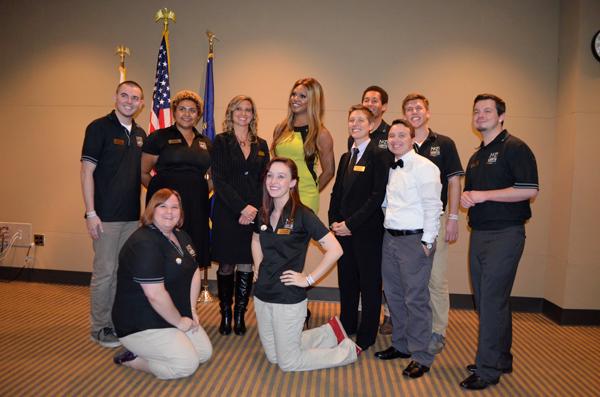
161	96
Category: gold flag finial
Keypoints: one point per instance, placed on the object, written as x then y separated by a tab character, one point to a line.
165	14
211	41
122	51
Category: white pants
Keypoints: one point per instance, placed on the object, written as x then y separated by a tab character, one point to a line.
170	352
280	330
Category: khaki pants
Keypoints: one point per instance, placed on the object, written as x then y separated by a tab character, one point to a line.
170	352
103	284
438	283
280	330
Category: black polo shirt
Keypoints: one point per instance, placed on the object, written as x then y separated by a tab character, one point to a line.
174	152
441	151
285	249
116	152
379	136
148	257
505	162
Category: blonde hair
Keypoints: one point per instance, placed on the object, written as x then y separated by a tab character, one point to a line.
228	121
315	110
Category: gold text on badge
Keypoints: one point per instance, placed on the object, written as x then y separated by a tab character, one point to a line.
359	168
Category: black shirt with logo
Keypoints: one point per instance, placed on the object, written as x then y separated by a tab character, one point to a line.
149	257
116	152
285	249
441	151
505	162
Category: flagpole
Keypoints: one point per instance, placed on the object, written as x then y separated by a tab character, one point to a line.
122	51
208	129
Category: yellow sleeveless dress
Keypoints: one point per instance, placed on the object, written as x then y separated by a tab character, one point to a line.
292	147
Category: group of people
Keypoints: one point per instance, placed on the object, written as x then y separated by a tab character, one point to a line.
393	210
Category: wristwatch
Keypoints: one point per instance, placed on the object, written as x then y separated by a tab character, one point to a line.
427	245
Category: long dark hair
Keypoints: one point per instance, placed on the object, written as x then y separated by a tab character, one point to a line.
267	201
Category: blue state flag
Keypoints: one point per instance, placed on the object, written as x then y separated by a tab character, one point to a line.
209	101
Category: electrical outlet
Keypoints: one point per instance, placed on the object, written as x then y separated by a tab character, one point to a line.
39	239
21	232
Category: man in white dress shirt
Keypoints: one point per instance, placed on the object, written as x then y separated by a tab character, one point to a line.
412	208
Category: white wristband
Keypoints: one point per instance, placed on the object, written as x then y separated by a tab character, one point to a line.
310	280
90	214
453	217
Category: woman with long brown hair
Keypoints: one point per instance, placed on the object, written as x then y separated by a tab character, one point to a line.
283	231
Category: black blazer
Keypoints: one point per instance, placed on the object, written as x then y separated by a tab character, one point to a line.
360	203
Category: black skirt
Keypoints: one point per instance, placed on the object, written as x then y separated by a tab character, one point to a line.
231	241
193	189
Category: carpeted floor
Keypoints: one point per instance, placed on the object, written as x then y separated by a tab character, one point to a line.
46	351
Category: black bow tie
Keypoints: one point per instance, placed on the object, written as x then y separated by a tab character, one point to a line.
397	163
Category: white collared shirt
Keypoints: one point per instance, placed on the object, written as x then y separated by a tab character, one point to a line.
361	148
412	197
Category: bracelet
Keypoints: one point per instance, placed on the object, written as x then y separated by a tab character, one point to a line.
90	214
310	280
453	217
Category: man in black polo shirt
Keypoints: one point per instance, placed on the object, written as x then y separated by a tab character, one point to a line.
110	182
440	150
375	99
500	181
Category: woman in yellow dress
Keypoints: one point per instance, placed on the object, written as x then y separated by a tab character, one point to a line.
302	137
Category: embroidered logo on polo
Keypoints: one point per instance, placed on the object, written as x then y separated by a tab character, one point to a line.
190	249
139	141
202	145
383	144
492	158
434	151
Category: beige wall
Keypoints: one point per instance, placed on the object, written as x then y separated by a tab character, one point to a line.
59	73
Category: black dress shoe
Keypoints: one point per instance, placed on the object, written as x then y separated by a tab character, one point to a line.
123	357
391	353
474	382
472	368
415	370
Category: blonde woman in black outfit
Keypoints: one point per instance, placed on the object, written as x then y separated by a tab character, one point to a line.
238	160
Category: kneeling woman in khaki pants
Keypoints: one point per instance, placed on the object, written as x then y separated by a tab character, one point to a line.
284	228
157	287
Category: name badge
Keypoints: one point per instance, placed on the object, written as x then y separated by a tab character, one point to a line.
261	153
202	145
174	141
118	141
283	231
359	168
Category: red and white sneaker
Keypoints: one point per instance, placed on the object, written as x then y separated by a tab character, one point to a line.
338	328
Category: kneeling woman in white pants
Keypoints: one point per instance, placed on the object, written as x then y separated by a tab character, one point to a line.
284	228
157	287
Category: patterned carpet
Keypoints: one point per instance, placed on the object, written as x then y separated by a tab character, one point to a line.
47	352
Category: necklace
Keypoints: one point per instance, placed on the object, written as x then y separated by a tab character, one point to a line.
177	247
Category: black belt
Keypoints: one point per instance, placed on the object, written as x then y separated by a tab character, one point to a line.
406	232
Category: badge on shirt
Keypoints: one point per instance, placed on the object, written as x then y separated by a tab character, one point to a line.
118	141
139	140
179	261
434	151
202	145
382	144
359	168
261	153
287	227
174	141
493	158
190	249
